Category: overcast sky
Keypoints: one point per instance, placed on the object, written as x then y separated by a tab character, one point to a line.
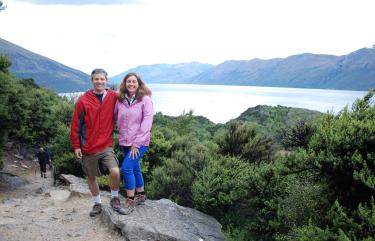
118	35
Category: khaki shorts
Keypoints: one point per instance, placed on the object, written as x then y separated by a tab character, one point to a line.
91	163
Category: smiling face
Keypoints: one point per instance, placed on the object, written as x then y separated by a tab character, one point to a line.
99	82
131	84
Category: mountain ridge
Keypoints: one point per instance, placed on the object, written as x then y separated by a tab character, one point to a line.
165	73
45	71
354	71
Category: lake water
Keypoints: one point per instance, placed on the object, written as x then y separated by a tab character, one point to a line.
221	103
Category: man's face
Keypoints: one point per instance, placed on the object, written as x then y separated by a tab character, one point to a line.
99	82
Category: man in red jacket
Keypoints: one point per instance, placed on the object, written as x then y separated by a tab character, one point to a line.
91	132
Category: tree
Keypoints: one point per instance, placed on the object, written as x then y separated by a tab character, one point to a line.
344	150
5	63
297	136
240	139
240	194
175	176
342	154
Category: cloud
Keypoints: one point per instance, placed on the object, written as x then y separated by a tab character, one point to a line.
80	2
117	37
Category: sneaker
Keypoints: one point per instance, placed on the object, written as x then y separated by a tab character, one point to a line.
96	209
139	199
128	207
115	204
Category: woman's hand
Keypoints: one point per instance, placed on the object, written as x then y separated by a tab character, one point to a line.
134	152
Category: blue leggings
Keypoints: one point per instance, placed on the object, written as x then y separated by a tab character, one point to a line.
131	168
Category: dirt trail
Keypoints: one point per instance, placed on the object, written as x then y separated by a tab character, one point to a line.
41	211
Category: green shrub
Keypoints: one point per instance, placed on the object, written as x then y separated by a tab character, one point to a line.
243	140
66	163
298	135
343	148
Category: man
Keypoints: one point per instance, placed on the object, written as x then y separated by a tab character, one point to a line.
43	159
91	132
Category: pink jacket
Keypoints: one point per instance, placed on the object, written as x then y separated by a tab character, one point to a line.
134	122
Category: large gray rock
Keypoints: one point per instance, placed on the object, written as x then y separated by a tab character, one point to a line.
161	220
164	220
78	186
12	180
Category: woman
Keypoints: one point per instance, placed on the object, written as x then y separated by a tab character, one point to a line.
134	115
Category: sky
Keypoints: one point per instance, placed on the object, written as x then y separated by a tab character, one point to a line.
119	35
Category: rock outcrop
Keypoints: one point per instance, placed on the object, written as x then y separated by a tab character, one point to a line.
77	186
11	179
161	220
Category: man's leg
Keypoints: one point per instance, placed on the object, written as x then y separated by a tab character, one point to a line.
109	161
94	189
114	178
43	170
91	169
93	185
114	183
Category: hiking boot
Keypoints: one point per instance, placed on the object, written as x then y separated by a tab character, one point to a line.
139	199
115	204
128	207
96	209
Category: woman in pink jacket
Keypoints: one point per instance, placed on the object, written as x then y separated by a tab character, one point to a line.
134	115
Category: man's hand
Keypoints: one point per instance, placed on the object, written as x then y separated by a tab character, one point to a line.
134	152
78	153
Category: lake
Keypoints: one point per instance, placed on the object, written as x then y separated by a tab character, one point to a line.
220	103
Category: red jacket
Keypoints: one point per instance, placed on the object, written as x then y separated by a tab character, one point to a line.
92	124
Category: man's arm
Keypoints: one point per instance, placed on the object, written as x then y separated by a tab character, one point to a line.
75	129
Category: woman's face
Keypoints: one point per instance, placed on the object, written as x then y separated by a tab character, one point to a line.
131	84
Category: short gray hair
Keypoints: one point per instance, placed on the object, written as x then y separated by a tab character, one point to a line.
99	71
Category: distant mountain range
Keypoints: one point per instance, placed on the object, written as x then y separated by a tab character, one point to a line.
46	72
355	71
166	73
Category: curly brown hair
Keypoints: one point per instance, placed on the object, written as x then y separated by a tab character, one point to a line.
141	91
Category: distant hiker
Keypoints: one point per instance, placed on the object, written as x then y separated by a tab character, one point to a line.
134	115
91	137
43	159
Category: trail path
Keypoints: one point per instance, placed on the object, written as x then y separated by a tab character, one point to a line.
40	211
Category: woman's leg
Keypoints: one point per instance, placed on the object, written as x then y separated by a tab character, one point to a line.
128	173
139	182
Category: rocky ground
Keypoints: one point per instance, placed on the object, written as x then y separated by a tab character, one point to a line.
41	211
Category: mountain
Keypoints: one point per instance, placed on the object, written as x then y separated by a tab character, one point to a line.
166	73
355	71
45	72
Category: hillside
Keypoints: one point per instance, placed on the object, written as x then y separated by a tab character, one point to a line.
166	73
271	119
355	71
46	72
